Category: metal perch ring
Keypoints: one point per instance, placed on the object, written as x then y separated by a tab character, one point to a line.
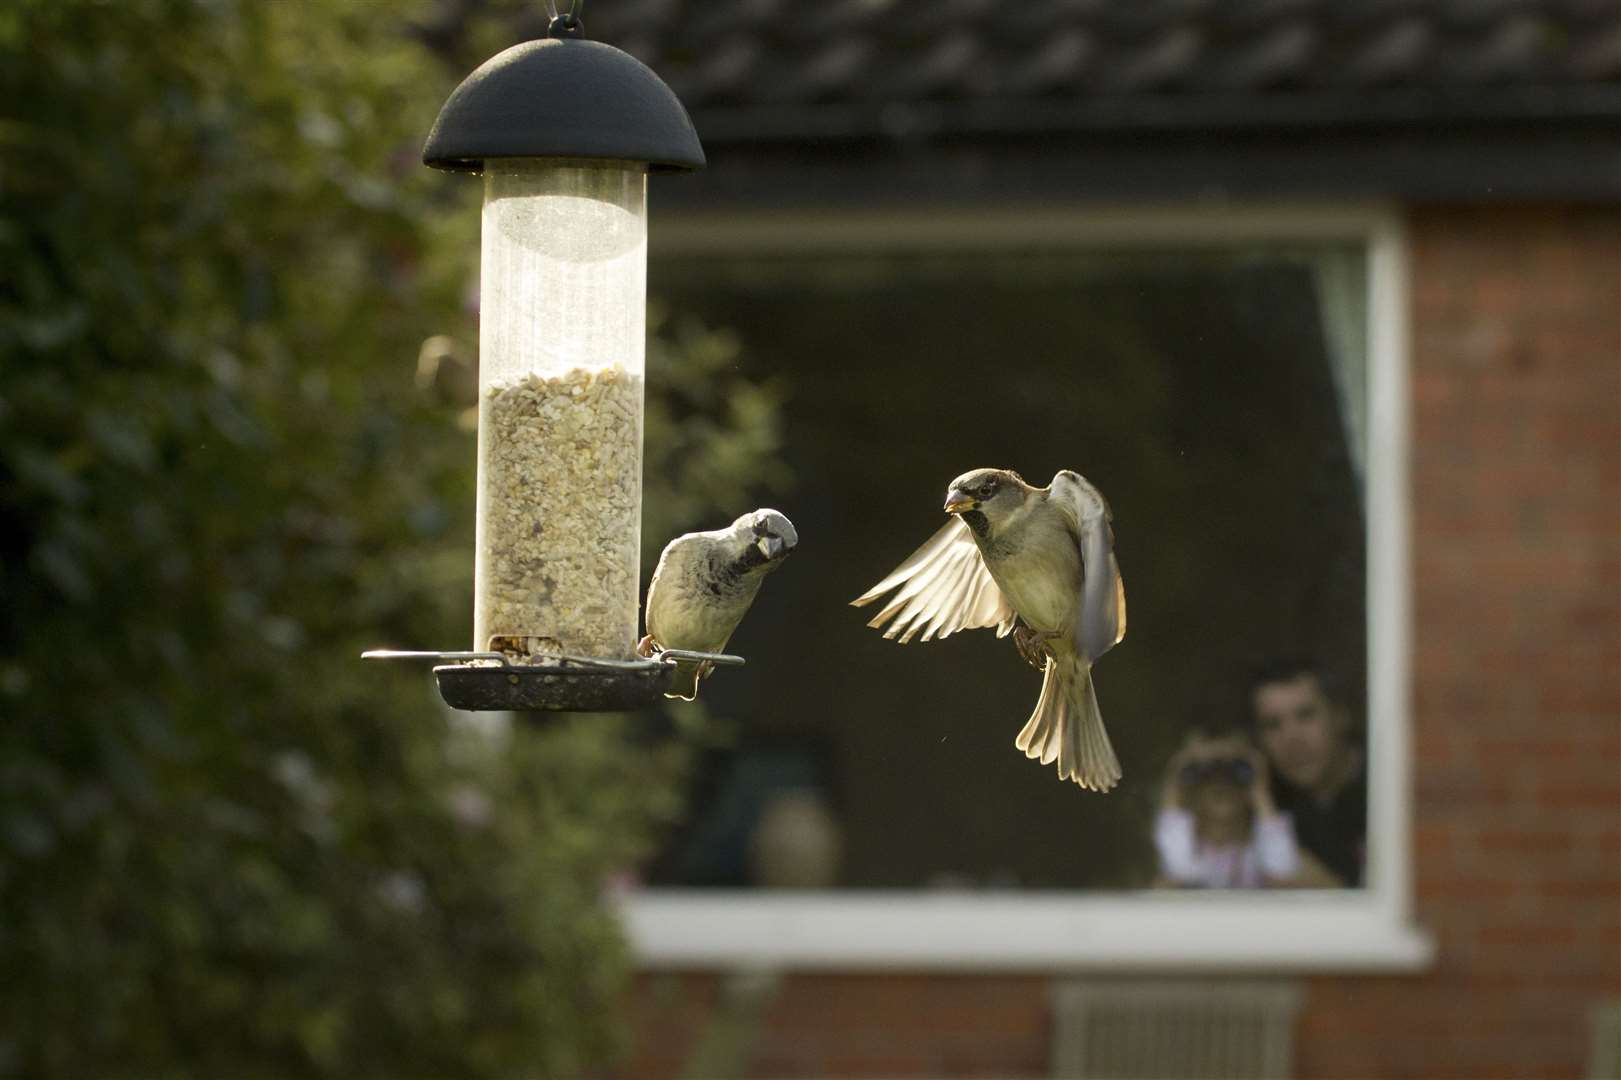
552	682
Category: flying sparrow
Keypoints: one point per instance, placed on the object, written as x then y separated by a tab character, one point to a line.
703	586
1038	563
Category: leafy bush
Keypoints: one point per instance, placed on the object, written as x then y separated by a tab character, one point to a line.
227	848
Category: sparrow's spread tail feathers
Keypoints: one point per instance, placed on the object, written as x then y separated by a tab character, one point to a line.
1067	727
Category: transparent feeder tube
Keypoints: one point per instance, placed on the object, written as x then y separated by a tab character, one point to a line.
562	317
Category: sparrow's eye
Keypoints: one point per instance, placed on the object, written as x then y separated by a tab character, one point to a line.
987	490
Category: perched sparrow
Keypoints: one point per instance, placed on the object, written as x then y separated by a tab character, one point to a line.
1038	563
704	584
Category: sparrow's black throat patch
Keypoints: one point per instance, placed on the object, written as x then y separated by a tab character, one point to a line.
977	522
751	558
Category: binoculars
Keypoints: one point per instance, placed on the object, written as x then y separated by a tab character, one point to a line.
1234	770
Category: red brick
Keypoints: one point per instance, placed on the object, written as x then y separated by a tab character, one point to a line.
1543	844
1577	793
879	1062
1529	934
1604	890
1482	889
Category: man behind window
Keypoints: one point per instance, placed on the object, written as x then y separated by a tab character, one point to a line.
1318	772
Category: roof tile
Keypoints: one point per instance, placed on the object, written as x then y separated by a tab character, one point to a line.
737	54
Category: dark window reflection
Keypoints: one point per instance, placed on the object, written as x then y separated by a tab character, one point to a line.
1216	400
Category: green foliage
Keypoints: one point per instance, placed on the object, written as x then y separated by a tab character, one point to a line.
712	435
226	847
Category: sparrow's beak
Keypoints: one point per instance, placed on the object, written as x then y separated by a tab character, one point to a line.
770	546
957	502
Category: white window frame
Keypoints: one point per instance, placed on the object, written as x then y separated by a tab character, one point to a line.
1333	930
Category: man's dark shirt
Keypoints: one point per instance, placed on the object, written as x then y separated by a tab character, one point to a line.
1336	832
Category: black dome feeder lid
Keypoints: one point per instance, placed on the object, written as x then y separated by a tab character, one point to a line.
563	97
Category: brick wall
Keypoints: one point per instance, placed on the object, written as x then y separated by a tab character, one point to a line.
1516	405
1516	409
831	1025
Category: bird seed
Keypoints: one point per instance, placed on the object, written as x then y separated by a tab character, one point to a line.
560	514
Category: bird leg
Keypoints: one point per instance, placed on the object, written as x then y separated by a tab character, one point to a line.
1032	645
645	647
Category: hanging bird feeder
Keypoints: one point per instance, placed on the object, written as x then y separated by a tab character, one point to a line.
564	132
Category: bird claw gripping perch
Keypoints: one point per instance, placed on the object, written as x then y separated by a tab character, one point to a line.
1032	645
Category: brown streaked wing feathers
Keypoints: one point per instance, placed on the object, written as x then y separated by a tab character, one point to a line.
941	588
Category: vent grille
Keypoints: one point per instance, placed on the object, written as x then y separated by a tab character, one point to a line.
1153	1029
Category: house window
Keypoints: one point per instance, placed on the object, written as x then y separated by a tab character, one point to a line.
1233	383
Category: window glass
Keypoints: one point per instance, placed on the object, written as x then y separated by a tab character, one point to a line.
1216	398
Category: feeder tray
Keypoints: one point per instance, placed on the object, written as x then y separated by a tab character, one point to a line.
490	682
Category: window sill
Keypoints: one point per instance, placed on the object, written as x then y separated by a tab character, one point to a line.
1056	932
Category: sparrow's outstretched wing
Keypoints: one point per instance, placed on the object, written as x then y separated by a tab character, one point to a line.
1100	617
943	587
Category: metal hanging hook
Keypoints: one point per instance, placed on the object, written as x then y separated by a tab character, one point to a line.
564	24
